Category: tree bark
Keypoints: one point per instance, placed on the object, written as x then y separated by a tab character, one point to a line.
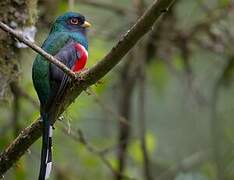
18	14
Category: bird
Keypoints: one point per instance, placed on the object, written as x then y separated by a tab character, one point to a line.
67	41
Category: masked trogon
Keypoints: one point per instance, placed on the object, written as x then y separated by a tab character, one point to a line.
67	41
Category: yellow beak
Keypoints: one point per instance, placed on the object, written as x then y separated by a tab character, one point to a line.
86	24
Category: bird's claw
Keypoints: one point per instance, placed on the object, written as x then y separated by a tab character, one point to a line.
79	76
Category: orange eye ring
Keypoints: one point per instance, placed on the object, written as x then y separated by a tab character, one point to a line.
74	21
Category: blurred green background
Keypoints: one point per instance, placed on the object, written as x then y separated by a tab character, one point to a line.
188	96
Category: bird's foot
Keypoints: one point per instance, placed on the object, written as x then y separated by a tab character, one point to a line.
79	75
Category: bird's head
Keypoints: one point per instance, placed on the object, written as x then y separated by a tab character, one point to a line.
71	22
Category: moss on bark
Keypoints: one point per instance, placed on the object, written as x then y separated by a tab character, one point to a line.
18	14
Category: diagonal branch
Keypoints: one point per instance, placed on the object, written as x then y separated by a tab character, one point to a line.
30	134
79	137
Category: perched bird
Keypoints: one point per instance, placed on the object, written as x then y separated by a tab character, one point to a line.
67	41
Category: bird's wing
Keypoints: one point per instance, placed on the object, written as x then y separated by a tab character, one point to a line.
68	55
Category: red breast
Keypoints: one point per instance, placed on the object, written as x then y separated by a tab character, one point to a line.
81	61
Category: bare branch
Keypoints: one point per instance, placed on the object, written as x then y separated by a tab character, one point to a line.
127	81
79	137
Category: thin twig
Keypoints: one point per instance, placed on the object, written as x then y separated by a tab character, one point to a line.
79	137
25	95
141	53
142	114
103	151
194	160
107	108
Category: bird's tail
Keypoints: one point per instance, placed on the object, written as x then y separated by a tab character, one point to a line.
46	151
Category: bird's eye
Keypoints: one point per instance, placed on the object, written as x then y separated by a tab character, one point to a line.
74	21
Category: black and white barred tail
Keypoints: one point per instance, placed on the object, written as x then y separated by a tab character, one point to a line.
46	151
